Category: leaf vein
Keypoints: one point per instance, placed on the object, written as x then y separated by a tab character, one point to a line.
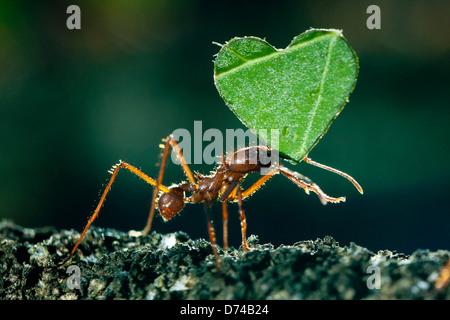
319	97
237	55
263	58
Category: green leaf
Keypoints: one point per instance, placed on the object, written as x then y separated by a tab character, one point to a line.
299	90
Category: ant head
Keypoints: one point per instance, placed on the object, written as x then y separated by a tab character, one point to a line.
170	204
250	159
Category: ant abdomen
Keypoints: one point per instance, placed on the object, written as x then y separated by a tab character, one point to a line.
170	204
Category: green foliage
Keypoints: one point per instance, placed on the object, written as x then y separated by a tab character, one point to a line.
299	90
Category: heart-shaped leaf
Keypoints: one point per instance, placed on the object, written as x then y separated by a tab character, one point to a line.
298	91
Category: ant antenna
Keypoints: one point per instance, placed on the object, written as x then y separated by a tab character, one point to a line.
343	174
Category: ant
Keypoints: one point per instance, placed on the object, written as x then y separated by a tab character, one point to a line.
224	185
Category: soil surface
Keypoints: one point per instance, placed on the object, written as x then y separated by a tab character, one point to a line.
111	264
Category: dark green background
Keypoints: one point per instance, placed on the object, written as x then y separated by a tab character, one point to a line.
72	103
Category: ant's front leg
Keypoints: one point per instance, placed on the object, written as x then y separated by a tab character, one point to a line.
239	196
306	184
243	219
225	224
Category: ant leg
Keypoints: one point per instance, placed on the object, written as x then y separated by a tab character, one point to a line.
343	174
116	168
225	224
243	219
253	188
308	185
156	190
225	216
259	183
212	238
444	277
240	196
170	142
183	162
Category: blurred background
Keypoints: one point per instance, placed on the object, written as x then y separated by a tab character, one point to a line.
74	102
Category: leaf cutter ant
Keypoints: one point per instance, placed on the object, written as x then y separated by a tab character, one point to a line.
224	185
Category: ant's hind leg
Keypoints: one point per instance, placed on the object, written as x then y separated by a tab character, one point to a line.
184	164
162	168
114	173
169	142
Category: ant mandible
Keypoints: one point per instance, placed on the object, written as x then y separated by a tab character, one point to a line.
224	185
